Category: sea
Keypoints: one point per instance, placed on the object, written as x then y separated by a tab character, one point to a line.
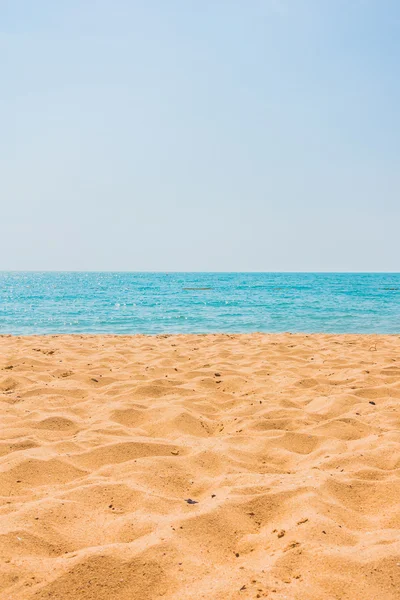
156	303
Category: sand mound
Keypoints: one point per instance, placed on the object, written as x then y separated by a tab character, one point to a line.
187	467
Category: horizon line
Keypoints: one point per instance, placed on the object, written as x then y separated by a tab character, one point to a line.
198	271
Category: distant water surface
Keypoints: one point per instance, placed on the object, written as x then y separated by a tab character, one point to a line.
127	303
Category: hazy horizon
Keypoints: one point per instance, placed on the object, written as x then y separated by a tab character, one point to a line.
197	271
210	272
227	137
172	271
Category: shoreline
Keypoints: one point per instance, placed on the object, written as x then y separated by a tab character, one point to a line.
207	334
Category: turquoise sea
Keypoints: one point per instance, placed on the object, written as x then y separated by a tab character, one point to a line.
125	303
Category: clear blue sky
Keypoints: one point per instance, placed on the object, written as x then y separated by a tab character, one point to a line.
259	135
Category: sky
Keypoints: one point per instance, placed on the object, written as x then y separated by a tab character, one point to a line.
212	135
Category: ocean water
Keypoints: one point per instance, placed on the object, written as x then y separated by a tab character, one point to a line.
127	303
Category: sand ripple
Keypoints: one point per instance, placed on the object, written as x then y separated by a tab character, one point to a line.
289	444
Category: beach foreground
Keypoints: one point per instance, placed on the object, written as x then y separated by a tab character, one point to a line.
288	444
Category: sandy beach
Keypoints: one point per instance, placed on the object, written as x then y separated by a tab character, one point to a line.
200	466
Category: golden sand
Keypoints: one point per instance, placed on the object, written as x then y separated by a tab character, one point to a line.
288	444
